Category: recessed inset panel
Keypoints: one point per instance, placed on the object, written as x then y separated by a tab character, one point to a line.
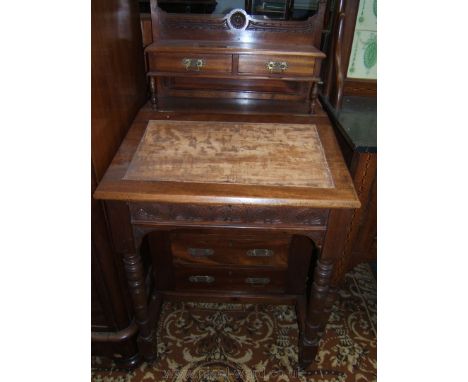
229	152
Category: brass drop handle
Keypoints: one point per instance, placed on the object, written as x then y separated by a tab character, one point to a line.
257	280
194	64
200	252
277	66
202	279
260	252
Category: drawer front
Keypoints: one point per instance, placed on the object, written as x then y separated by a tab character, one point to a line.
276	65
233	280
193	63
149	213
217	248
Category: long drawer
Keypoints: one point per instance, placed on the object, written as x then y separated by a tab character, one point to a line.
221	248
280	64
230	279
184	62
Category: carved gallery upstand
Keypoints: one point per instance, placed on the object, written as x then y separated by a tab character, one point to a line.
232	211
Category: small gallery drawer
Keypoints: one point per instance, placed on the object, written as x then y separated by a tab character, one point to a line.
221	248
285	65
185	62
230	279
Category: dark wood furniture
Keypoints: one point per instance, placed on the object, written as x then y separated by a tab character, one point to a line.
355	126
118	91
246	233
238	58
238	234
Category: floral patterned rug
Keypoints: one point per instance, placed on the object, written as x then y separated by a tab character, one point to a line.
208	342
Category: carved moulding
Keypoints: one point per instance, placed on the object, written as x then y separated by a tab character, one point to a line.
226	214
236	20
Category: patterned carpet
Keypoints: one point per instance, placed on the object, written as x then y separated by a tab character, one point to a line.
205	342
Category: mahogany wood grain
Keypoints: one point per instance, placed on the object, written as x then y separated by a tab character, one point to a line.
230	247
238	88
118	83
244	28
316	312
232	46
146	29
360	232
299	260
174	62
118	87
295	65
160	251
145	215
360	87
365	247
240	280
258	49
240	105
280	209
231	153
112	312
115	187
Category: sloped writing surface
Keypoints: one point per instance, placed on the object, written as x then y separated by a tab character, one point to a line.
233	153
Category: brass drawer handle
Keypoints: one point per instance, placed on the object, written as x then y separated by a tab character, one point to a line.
194	64
277	66
200	252
260	252
202	279
257	280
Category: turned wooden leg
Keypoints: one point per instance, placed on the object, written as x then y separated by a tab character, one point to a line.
313	97
154	99
317	315
136	283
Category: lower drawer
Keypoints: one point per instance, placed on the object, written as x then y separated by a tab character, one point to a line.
233	280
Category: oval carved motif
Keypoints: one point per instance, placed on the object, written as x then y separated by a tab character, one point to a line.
238	20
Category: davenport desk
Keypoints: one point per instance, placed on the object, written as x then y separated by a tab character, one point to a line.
242	211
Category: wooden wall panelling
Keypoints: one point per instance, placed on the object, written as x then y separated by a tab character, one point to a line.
360	87
104	272
365	245
118	83
118	90
364	171
112	332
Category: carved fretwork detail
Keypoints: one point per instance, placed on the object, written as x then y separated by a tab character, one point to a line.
268	26
228	214
238	20
181	22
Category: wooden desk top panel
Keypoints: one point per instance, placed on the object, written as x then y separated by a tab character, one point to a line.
115	186
268	154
